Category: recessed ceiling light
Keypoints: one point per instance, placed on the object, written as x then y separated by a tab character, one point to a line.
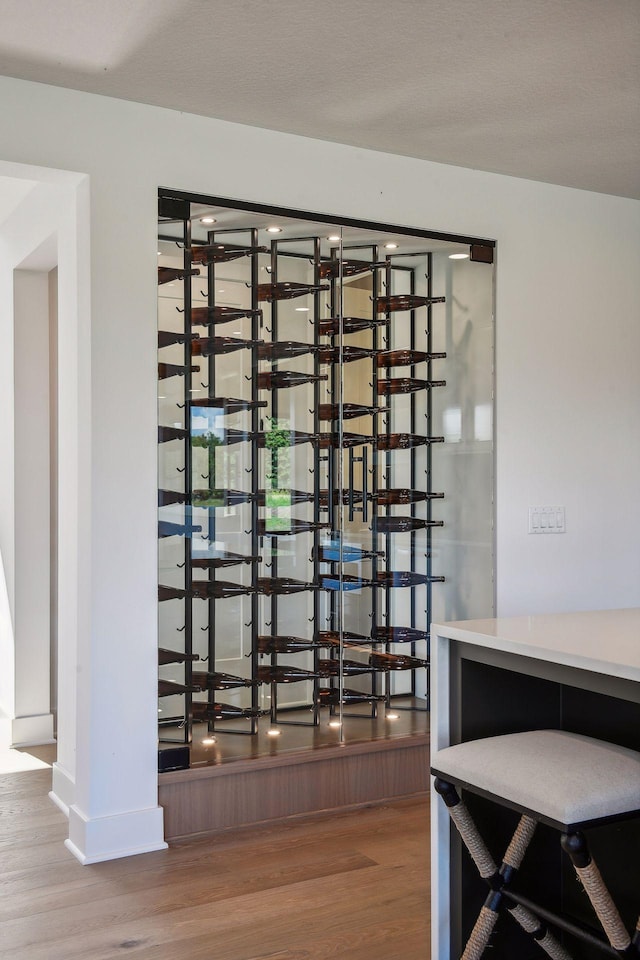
302	309
391	246
274	229
458	256
207	220
333	239
273	732
159	253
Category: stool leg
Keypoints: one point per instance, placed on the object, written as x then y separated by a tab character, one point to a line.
487	920
575	845
483	928
467	829
539	932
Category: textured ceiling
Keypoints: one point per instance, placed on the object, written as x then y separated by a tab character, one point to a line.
543	89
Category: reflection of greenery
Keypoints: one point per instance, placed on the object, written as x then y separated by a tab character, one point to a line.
278	498
277	441
208	498
210	441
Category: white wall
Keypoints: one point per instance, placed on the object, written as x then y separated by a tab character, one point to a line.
568	390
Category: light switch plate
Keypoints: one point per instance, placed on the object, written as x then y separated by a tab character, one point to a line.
547	520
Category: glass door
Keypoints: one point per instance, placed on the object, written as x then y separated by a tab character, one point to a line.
325	473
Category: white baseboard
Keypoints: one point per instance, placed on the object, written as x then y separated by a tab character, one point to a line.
32	731
63	788
109	838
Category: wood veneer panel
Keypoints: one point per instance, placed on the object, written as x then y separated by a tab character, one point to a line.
271	788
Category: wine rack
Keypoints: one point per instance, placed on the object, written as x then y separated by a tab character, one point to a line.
286	540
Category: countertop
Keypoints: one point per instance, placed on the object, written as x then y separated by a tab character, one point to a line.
603	641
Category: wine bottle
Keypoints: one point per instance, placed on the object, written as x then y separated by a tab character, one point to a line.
218	589
167	274
330	269
228	404
398	635
166	338
205	316
277	585
405	358
396	661
220	498
340	496
167	528
210	346
237	436
293	438
222	558
332	326
348	668
219	681
167	370
169	688
224	711
174	656
171	593
330	697
287	290
339	440
282	379
345	355
284	674
166	434
167	497
267	644
296	526
404	524
282	349
405	301
331	638
405	578
407	385
331	581
400	495
221	252
330	553
405	441
293	496
347	411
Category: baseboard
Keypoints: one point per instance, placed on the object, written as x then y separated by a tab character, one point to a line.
110	838
32	731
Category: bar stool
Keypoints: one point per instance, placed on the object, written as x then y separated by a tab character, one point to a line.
565	780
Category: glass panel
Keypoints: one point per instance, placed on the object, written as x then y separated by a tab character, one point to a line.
325	475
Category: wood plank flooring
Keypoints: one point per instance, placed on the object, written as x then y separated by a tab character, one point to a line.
345	886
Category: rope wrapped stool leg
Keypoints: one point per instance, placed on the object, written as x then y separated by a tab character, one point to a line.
489	914
575	845
481	932
539	932
467	829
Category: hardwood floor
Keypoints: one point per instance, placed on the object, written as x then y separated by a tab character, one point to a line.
347	886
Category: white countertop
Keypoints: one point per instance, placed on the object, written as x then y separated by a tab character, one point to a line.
603	641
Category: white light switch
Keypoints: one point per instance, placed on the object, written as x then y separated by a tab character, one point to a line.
546	520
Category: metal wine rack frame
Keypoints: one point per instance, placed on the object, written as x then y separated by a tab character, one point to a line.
377	468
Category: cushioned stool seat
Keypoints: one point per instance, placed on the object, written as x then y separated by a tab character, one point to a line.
565	780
